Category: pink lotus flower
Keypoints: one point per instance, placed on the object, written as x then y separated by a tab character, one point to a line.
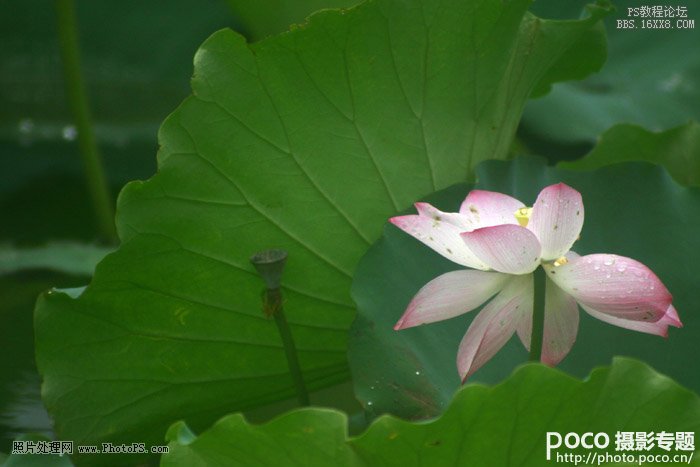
503	242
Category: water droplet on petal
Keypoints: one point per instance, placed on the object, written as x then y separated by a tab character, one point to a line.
597	267
609	261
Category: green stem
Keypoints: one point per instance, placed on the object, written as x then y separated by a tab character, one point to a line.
274	307
77	99
537	333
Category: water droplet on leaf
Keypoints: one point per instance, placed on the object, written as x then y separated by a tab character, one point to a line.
69	133
25	126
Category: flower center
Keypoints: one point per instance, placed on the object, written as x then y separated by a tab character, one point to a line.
560	261
523	216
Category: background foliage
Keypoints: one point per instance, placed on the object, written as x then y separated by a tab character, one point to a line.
502	425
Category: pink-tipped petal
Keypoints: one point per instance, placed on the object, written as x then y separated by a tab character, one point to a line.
450	295
505	248
494	325
560	325
454	218
671	318
488	208
441	236
557	219
614	285
659	328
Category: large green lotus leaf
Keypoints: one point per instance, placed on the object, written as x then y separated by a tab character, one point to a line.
678	150
632	209
504	425
306	141
260	19
650	79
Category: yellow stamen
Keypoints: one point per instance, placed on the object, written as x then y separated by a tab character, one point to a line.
560	261
523	216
